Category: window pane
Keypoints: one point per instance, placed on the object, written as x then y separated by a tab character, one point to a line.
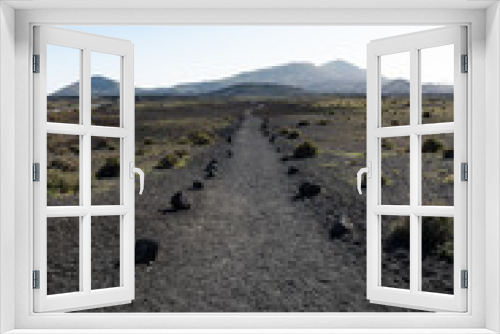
437	78
395	81
105	234
63	169
63	255
395	171
63	84
105	171
105	82
396	252
437	169
437	254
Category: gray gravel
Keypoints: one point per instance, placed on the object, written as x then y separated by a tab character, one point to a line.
245	246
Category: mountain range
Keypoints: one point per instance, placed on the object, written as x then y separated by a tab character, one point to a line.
300	78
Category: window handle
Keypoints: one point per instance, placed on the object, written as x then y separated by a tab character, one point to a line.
135	170
368	171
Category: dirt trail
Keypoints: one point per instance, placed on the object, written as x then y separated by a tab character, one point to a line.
247	247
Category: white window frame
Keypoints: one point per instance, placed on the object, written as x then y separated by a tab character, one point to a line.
412	44
484	309
86	44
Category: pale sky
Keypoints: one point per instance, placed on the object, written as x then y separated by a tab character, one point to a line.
169	55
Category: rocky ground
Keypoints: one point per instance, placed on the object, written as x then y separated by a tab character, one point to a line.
247	244
243	225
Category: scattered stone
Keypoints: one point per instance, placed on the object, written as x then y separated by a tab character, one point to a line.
426	114
285	158
292	170
180	202
308	190
198	185
272	139
229	153
146	251
278	149
303	123
339	227
210	174
448	154
229	139
211	166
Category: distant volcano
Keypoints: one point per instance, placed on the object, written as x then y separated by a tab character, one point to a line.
336	77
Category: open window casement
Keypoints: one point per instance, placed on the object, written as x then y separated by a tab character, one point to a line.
416	213
80	130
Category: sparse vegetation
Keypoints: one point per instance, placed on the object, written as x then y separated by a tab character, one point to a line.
175	159
323	122
200	138
110	169
431	146
305	150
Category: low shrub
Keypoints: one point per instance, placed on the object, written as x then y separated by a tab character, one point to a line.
110	169
294	134
148	141
305	150
431	146
175	159
200	138
61	183
290	133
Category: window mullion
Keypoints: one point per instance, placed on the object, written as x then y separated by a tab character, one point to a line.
414	171
86	177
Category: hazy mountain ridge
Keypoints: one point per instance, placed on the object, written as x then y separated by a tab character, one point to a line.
336	77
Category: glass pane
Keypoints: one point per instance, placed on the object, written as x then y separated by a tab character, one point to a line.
396	252
105	171
63	84
395	171
105	234
63	169
437	169
437	78
437	254
395	77
105	86
63	255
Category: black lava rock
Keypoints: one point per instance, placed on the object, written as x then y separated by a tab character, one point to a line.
146	251
180	202
292	170
198	185
229	139
448	154
211	174
339	228
211	166
308	190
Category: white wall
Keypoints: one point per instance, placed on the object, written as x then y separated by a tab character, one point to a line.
492	163
7	163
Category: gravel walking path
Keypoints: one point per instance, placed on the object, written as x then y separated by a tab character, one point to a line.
245	246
